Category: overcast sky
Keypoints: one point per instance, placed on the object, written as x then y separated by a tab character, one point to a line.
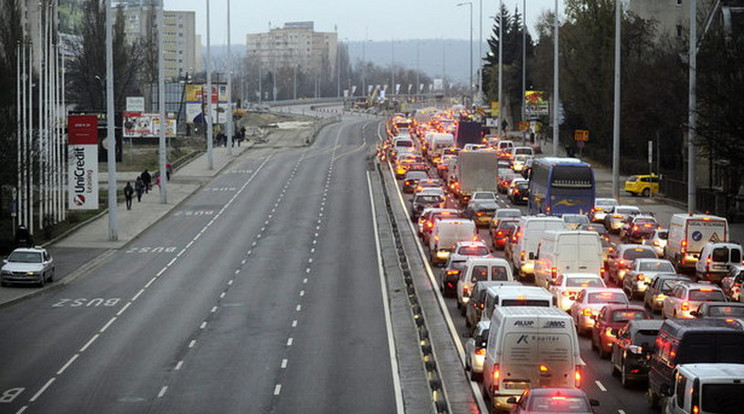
356	19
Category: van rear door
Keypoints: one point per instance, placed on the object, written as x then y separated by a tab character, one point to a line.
536	359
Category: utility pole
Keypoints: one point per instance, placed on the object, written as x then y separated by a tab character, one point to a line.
110	130
692	115
501	71
616	111
480	49
210	132
470	87
524	60
161	100
229	116
556	130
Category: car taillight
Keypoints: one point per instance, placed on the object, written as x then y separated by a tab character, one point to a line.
635	228
553	273
480	351
707	264
587	312
640	277
655	243
430	224
602	272
453	272
608	332
522	255
499	233
577	377
566	293
495	376
685	306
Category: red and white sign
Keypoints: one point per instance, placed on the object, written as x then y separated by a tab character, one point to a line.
83	158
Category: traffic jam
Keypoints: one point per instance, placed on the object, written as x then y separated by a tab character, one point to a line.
546	279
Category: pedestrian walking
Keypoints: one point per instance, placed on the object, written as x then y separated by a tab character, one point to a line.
128	194
139	188
147	180
168	171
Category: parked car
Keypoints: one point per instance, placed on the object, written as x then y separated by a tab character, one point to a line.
719	310
553	400
28	265
589	302
657	240
609	320
661	285
731	284
686	297
639	276
633	346
475	350
643	185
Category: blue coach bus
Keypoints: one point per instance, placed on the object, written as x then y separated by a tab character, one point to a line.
561	186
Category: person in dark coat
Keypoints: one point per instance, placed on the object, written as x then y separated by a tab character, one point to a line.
128	194
147	180
23	237
139	188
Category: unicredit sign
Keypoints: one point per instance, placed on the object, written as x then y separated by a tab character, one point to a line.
83	158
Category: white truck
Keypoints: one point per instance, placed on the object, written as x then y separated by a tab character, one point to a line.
474	171
688	234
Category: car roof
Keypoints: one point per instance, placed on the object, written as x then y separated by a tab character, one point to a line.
566	275
29	250
692	285
619	306
649	259
642	324
569	392
628	246
603	289
470	243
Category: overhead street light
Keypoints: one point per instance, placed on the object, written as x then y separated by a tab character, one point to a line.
470	3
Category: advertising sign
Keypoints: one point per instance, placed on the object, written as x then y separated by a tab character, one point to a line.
135	104
196	103
581	135
536	103
83	164
494	109
137	124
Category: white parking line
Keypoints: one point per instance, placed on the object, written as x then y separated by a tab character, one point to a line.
601	387
162	391
88	343
277	389
112	320
289	341
67	365
284	363
41	391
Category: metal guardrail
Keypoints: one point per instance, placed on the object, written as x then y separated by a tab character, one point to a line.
320	124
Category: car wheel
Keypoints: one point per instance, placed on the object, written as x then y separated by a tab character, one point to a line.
624	377
51	276
646	192
602	353
462	310
42	280
594	344
613	369
474	376
652	398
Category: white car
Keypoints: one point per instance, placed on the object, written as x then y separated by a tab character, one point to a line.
28	266
475	350
590	301
687	297
639	277
479	269
601	207
465	249
617	215
658	241
482	196
574	221
568	285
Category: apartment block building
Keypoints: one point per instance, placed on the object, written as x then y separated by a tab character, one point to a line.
294	44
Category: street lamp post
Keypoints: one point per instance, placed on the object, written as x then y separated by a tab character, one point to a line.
692	116
616	111
501	66
480	49
470	4
556	134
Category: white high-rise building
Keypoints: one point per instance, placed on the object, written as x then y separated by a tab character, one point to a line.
295	44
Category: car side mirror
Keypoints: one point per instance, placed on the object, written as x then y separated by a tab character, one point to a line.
593	402
5	261
511	400
532	256
664	391
695	314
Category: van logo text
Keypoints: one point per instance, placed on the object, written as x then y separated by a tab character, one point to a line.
524	323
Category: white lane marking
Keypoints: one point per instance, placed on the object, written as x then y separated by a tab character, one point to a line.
162	391
237	271
310	260
181	252
67	365
22	410
197	237
190	243
137	295
304	281
88	343
112	320
277	389
601	387
151	282
41	391
307	270
173	260
230	282
192	343
203	325
284	363
243	261
388	323
302	293
222	295
294	323
289	341
161	271
214	309
620	411
126	306
312	250
179	365
298	308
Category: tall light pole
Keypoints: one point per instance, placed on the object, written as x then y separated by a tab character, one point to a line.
392	68
616	111
501	68
229	117
692	116
480	49
556	131
161	101
524	59
210	160
364	64
110	131
470	4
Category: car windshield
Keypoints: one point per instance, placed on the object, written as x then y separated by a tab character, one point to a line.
663	235
509	213
558	404
638	253
632	179
584	282
507	225
645	336
457	265
726	311
669	284
484	196
428	199
499	273
608	297
473	250
640	221
656	267
575	219
625	210
627	315
25	257
480	273
707	295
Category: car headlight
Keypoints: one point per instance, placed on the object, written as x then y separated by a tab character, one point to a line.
31	273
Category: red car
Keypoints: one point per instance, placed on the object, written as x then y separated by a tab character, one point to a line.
610	320
501	232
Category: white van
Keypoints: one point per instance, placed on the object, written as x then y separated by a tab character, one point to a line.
525	240
524	151
480	269
437	142
716	259
688	234
515	295
444	235
568	251
529	347
705	389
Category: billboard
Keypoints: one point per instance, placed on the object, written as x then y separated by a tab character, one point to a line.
536	103
83	162
137	124
196	103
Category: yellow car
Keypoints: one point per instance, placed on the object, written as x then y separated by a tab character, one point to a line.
643	185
